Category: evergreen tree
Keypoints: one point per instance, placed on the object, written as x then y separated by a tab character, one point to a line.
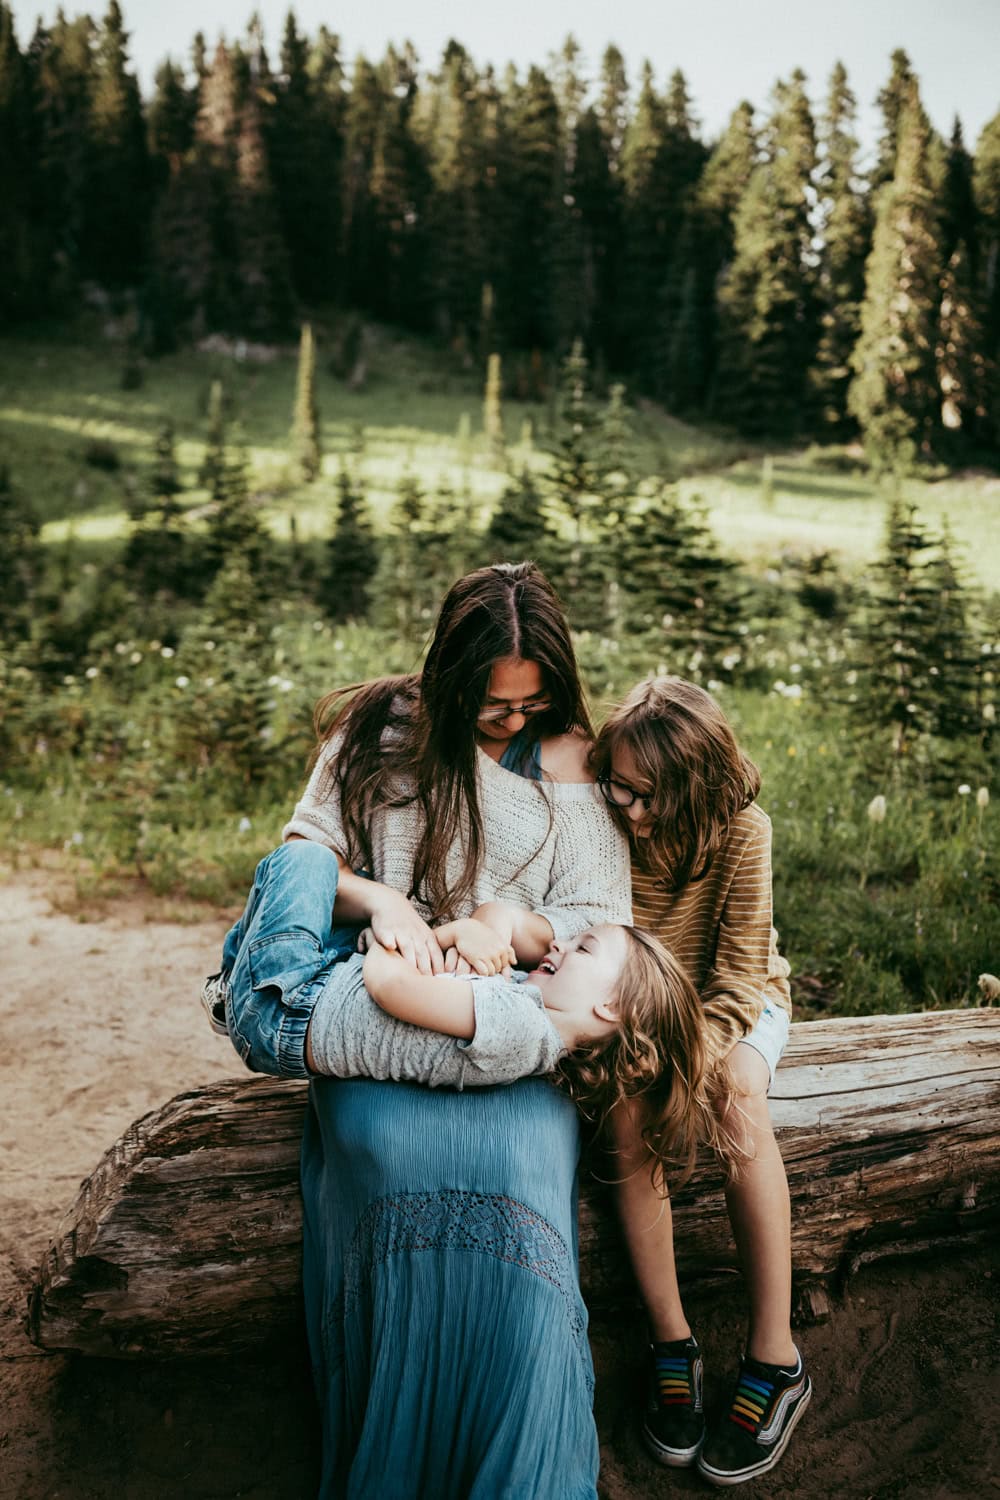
213	459
917	675
493	408
846	235
894	393
156	559
519	527
305	423
61	73
221	721
452	127
113	232
398	185
19	294
689	348
767	314
403	587
986	187
260	289
171	117
534	213
894	100
234	527
20	560
680	586
962	369
352	554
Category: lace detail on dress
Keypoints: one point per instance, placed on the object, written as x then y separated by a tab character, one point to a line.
484	1223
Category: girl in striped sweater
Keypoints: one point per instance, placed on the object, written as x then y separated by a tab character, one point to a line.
685	793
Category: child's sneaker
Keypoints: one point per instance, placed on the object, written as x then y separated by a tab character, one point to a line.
767	1403
214	993
674	1424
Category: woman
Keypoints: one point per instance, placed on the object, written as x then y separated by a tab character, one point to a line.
446	1325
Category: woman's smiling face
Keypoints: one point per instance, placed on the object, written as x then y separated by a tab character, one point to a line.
514	686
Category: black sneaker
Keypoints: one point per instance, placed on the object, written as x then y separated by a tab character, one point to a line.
674	1425
767	1403
213	997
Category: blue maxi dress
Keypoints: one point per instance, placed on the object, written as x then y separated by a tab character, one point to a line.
446	1327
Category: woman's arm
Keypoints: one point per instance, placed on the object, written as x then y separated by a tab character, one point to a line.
437	1002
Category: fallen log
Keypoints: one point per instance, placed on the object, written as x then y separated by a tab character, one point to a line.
186	1238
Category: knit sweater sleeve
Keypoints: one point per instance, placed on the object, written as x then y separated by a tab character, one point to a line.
317	812
736	987
590	876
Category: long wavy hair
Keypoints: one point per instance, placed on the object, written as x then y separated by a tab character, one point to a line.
659	1056
412	739
684	748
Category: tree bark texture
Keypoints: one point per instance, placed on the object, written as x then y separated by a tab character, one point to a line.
186	1238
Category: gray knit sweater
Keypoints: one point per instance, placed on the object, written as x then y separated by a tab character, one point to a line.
551	847
352	1037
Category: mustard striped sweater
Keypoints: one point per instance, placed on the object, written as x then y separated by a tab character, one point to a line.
720	928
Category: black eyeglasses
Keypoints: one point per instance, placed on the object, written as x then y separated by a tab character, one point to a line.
507	710
620	794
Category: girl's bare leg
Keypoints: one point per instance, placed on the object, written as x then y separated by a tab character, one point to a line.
759	1213
649	1228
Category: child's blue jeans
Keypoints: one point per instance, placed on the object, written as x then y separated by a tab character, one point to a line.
279	955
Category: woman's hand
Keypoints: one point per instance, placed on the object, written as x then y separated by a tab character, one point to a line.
399	928
473	947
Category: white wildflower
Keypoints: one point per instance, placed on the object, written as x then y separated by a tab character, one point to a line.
983	797
166	652
182	681
989	712
964	789
92	672
245	825
135	658
876	809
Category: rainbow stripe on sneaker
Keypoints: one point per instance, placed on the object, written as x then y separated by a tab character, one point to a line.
750	1401
676	1382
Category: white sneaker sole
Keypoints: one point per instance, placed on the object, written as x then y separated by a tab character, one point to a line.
721	1478
671	1458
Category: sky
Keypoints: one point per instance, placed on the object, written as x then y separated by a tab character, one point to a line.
729	49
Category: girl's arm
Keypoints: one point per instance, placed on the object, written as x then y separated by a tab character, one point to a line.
747	968
437	1002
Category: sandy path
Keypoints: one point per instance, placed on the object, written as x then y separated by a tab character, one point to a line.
99	1023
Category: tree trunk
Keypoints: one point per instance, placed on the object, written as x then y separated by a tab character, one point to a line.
187	1236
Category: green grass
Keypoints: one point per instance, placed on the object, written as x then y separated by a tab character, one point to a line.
57	394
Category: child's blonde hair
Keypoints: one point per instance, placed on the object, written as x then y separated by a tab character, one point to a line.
684	748
658	1055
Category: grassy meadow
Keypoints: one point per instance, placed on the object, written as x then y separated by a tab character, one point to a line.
876	915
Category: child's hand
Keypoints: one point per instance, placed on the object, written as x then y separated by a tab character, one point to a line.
471	947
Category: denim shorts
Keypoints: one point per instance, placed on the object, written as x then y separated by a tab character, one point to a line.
769	1037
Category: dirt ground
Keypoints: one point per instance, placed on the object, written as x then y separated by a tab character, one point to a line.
99	1024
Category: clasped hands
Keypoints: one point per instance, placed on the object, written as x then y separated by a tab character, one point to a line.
479	944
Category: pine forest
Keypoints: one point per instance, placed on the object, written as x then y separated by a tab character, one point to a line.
292	342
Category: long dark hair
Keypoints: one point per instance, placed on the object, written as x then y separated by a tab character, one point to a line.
413	739
683	745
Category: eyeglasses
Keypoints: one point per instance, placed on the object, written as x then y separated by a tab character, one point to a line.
620	794
507	710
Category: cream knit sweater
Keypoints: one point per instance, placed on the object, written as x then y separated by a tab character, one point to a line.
551	847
